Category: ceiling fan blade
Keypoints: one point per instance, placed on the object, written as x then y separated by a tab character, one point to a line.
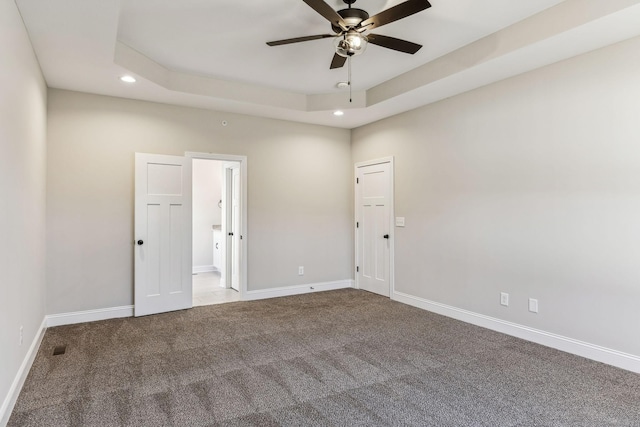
394	13
394	43
337	61
299	39
327	11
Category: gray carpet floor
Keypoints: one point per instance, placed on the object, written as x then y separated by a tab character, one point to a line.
343	358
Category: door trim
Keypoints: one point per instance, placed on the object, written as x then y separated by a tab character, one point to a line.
243	209
392	237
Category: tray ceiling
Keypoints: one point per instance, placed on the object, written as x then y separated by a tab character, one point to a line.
214	54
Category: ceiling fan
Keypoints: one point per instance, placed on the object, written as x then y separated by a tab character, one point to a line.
350	25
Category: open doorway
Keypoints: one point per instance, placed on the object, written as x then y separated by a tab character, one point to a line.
217	230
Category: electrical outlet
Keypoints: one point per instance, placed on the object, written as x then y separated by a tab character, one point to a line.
301	271
21	335
533	305
504	299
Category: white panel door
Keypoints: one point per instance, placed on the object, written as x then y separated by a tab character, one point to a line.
162	234
373	197
235	227
232	225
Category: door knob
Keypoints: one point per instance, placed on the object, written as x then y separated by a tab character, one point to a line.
386	236
140	242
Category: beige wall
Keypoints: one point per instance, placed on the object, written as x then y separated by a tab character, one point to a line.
22	196
299	202
529	186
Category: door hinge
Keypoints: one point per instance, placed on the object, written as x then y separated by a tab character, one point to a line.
357	225
357	269
357	180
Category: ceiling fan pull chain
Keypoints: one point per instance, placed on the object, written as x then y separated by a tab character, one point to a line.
350	92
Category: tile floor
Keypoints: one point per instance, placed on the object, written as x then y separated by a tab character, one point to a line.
207	290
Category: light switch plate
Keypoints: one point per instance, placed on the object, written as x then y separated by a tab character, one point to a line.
504	299
399	221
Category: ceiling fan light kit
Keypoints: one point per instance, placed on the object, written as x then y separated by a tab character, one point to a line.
351	44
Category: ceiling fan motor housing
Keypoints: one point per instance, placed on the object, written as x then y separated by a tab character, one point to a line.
352	17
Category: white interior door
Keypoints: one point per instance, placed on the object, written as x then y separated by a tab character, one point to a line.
162	234
236	228
373	198
232	225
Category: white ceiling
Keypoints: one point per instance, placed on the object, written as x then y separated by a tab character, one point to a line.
211	38
213	54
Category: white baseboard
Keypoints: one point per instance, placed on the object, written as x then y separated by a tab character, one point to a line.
203	269
127	311
21	376
297	290
89	316
609	356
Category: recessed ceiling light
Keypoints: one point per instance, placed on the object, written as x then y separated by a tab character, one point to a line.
338	113
128	79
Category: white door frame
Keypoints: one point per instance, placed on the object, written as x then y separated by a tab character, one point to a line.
242	160
392	234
